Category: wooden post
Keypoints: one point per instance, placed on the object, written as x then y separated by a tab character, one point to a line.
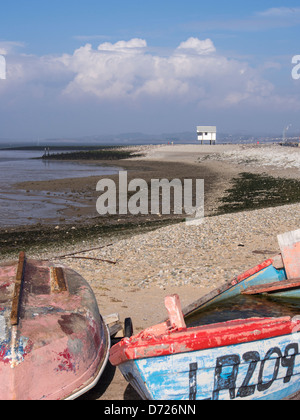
173	307
58	281
14	317
289	244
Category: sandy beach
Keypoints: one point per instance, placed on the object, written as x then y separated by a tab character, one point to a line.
188	260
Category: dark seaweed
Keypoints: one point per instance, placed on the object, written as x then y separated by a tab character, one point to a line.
253	191
91	155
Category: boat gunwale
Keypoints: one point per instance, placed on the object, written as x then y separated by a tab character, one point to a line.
202	338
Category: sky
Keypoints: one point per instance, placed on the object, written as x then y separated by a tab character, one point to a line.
93	67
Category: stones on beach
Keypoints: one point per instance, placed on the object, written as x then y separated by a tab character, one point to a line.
263	156
178	255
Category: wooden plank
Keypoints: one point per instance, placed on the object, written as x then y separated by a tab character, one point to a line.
58	282
289	244
114	325
272	287
111	318
14	317
173	307
115	328
277	262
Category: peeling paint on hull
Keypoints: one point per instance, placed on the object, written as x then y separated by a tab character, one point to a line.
266	370
253	358
60	345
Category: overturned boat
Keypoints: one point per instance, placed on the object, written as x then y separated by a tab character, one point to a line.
54	344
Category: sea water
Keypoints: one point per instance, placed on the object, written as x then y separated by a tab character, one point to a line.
244	307
18	207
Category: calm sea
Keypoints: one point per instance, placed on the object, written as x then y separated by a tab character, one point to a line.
18	207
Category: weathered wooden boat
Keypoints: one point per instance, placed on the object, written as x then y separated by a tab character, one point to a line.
54	343
240	341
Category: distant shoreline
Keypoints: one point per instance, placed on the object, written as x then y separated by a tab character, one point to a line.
70	147
99	154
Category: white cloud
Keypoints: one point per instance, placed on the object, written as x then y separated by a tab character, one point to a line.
281	12
194	72
8	47
200	47
134	45
126	72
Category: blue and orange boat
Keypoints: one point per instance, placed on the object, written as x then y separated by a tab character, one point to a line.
239	342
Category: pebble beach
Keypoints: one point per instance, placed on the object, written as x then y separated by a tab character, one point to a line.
131	276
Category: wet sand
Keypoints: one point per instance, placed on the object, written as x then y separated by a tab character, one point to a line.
81	222
83	190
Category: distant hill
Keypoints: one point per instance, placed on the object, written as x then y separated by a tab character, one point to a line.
137	138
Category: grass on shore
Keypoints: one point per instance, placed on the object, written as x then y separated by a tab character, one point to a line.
255	191
103	154
41	238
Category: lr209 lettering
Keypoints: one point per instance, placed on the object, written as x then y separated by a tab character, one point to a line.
228	381
227	369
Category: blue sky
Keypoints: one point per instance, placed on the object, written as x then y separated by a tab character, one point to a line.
92	67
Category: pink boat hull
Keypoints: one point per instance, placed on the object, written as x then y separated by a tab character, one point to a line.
60	345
